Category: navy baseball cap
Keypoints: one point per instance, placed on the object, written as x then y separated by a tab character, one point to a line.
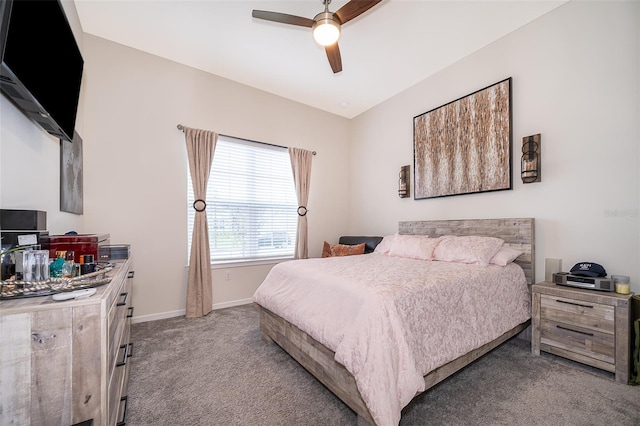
588	269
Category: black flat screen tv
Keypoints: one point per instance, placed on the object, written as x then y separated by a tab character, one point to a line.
41	67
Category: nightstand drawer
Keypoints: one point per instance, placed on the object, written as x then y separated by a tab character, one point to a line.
580	340
584	315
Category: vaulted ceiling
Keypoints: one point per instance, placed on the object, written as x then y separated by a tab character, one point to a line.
386	50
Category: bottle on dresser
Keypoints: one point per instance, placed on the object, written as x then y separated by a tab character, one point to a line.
55	268
68	267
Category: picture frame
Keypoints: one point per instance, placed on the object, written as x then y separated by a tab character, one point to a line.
465	146
71	175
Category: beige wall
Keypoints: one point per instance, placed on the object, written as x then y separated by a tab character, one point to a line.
136	167
575	80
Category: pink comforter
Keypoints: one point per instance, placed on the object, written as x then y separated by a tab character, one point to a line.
391	320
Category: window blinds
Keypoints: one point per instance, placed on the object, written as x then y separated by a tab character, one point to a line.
251	202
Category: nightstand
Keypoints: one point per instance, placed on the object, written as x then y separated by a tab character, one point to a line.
587	326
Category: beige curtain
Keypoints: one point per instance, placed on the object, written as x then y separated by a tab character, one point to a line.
301	166
200	147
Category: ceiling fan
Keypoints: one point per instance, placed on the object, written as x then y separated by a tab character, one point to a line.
325	25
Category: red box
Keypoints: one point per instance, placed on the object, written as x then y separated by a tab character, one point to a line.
80	244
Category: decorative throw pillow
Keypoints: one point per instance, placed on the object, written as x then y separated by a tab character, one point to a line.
467	249
326	249
385	245
505	256
334	250
347	250
414	246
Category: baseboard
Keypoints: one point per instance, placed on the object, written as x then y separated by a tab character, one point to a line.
182	312
232	304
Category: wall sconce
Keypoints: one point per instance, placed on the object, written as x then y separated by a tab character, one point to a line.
530	161
403	182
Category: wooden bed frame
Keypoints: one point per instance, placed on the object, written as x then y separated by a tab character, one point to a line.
319	360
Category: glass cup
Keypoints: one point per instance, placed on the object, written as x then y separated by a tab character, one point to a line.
621	284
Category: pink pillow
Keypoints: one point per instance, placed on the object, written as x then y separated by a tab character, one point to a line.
385	245
505	255
467	249
413	246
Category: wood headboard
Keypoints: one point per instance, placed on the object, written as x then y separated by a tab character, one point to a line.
518	233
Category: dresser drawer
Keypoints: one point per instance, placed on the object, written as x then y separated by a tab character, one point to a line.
580	340
120	348
587	315
117	383
117	321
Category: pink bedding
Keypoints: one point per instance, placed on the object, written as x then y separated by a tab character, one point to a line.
391	320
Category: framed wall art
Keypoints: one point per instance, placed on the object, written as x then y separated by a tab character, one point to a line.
464	146
71	195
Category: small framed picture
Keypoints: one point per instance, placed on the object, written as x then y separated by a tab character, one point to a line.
71	175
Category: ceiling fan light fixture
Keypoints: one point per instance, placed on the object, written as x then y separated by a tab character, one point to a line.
325	26
326	31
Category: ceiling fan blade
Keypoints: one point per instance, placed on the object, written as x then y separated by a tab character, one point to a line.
354	8
333	54
282	18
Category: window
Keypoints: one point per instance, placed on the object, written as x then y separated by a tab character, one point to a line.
251	202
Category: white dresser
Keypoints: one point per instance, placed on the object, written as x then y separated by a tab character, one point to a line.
66	362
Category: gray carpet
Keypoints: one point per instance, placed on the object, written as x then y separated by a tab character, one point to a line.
217	370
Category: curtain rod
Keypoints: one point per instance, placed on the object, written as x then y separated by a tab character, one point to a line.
181	128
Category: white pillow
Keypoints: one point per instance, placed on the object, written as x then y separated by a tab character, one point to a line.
467	249
505	255
384	246
413	246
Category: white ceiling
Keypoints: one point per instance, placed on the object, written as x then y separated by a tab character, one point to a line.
389	48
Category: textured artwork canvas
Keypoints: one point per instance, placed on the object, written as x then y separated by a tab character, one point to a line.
71	175
464	147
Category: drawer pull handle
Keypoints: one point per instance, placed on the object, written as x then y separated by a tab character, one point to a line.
125	355
130	352
124	412
575	331
124	300
575	304
131	274
130	314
